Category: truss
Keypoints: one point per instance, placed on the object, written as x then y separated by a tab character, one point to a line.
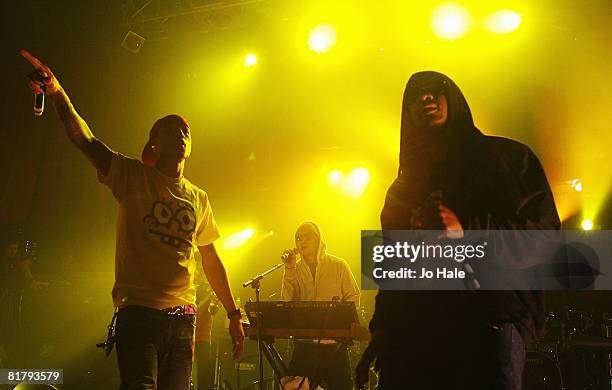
154	18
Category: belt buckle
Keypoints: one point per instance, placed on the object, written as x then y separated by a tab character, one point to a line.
177	311
180	310
174	310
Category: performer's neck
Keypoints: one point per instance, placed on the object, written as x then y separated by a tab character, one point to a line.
171	168
310	260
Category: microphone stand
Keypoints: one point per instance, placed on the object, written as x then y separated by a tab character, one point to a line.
256	284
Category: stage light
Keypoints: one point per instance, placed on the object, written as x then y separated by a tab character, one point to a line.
503	22
587	224
576	184
238	239
250	60
450	21
357	181
322	38
352	184
334	177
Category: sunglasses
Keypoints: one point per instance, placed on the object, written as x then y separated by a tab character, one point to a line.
306	236
435	87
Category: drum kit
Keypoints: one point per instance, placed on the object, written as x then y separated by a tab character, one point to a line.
575	354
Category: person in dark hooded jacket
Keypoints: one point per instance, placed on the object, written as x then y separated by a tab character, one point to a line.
458	339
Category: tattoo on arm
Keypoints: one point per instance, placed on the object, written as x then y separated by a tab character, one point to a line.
80	135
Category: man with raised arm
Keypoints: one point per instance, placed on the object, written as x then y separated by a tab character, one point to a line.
162	219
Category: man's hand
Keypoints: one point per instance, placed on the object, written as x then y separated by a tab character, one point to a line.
50	83
237	334
454	229
76	128
290	258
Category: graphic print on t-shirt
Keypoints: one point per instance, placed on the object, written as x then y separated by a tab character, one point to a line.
174	222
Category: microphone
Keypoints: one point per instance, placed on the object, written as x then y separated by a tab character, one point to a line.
288	253
39	98
470	280
39	104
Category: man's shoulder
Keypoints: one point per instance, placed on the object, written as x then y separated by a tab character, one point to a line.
124	160
509	150
513	156
332	259
195	188
503	143
132	165
121	166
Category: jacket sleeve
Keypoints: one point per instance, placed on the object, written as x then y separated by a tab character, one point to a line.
394	215
536	208
528	205
350	290
532	207
520	197
290	290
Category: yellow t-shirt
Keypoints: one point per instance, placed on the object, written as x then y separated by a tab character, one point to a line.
160	222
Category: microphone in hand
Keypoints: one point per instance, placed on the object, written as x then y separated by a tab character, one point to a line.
39	77
288	256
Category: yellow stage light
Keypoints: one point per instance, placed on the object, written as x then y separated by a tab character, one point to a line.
576	184
238	239
322	38
503	22
450	21
250	60
587	224
334	177
353	184
357	181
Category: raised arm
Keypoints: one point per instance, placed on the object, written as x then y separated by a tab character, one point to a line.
76	128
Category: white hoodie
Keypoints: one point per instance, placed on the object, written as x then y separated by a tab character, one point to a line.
333	277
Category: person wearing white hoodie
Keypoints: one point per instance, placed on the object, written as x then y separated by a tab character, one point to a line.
319	276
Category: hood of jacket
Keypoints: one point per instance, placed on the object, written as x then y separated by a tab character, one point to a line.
455	138
321	247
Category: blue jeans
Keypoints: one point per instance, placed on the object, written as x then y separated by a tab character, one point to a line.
154	349
487	359
510	354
